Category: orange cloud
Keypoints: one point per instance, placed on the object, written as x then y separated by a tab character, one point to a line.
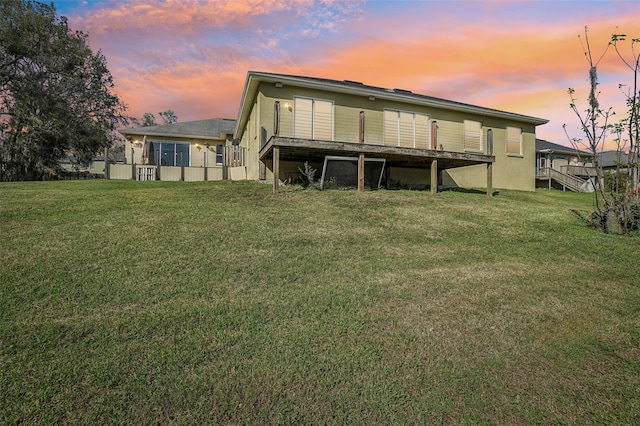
525	70
192	57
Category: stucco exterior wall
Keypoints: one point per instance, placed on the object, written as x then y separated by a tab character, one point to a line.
509	171
250	140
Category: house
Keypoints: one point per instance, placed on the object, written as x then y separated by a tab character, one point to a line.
352	133
190	151
70	167
562	167
620	162
362	135
549	154
97	166
613	160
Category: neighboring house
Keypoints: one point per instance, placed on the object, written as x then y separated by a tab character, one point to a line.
97	167
359	134
191	151
620	161
613	160
562	167
549	154
70	168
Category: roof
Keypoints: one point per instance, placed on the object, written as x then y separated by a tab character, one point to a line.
213	128
254	78
610	159
550	147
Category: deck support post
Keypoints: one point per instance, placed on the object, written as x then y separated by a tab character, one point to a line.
361	173
361	156
434	176
276	168
490	165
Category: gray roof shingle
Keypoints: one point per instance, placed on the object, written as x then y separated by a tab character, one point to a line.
611	159
543	145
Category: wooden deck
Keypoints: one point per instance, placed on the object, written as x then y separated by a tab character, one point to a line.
306	149
279	148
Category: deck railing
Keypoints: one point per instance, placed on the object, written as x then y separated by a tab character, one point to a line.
578	170
235	156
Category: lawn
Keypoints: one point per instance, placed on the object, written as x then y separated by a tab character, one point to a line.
220	303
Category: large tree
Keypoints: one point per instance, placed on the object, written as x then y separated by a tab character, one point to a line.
148	119
56	92
168	117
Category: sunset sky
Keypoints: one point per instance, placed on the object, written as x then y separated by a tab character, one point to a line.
520	56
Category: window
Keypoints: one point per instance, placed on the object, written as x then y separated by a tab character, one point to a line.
219	154
514	141
169	153
406	129
472	135
313	119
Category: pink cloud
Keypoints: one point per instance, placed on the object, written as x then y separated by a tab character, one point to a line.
192	57
186	16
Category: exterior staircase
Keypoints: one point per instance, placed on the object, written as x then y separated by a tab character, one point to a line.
568	181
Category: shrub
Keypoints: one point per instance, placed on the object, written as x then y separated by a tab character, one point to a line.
621	216
308	175
617	181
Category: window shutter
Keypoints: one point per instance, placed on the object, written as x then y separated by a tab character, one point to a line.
313	119
472	135
514	140
390	128
322	120
303	118
406	130
422	131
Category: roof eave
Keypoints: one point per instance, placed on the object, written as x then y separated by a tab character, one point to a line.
136	132
243	113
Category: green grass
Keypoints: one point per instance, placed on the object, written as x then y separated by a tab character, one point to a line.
219	303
